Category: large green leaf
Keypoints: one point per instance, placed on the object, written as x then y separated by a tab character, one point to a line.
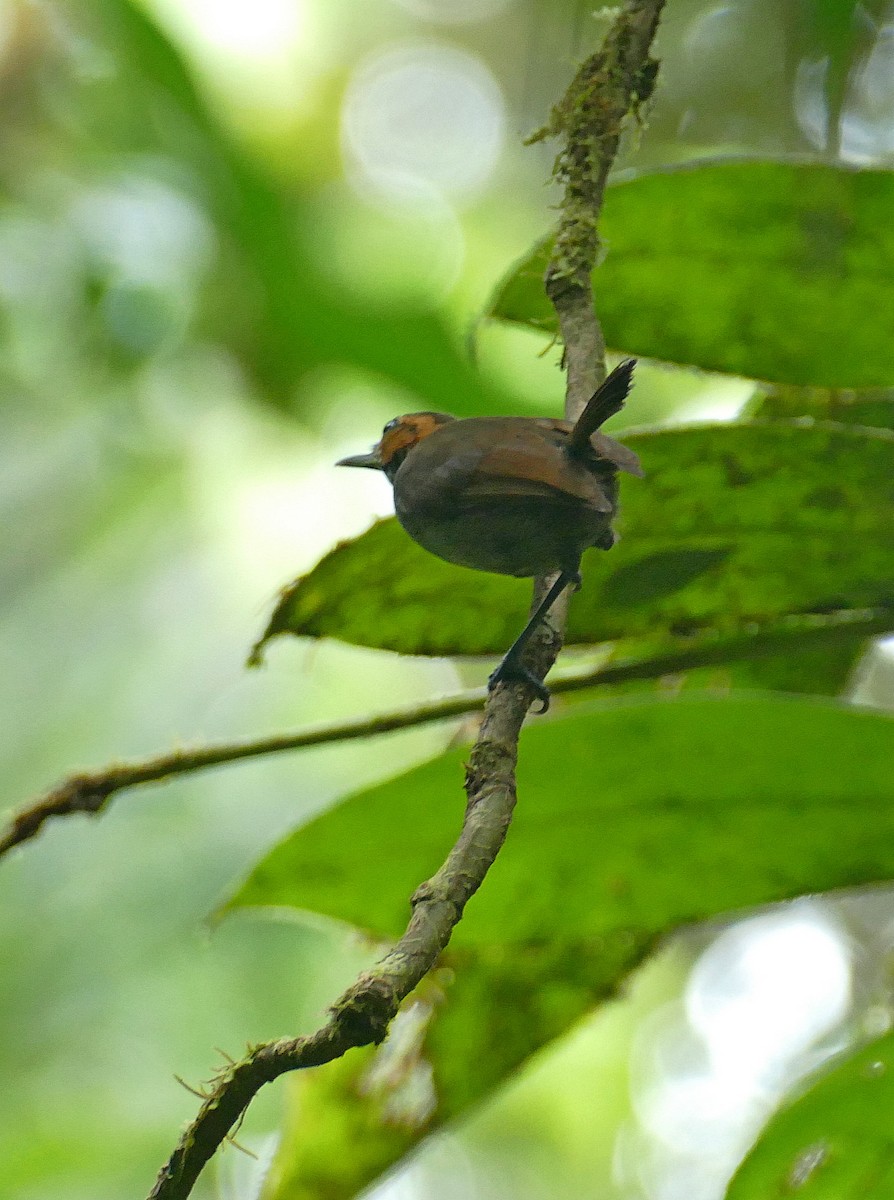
825	669
732	523
633	819
775	271
640	815
836	1142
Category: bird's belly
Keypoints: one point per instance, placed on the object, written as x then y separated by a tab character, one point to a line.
528	540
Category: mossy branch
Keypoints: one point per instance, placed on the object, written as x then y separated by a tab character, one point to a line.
610	87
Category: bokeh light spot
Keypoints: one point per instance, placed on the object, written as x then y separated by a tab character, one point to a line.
139	228
259	30
766	990
758	1011
419	117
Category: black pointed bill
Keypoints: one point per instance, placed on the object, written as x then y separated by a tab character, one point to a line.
370	460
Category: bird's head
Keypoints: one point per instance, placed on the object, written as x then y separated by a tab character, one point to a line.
398	439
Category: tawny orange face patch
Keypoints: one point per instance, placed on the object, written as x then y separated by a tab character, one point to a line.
404	432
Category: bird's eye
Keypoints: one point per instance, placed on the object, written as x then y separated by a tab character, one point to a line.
391	425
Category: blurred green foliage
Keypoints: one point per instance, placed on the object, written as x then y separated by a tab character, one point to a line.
121	119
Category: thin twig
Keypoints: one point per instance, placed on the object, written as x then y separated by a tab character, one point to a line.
91	792
363	1014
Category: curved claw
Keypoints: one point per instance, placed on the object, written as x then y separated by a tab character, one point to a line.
512	671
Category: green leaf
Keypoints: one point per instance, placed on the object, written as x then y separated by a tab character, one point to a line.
698	806
775	271
817	670
633	819
732	524
824	670
339	1132
836	1142
870	408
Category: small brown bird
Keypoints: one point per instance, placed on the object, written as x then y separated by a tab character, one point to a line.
515	495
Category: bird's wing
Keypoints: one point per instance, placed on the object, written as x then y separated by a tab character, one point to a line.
519	469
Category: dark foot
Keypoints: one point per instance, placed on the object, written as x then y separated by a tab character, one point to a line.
575	581
512	671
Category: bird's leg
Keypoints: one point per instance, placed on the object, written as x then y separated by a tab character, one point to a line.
512	668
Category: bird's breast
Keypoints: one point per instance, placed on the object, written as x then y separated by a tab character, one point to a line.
522	536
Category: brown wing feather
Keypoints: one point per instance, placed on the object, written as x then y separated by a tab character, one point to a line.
517	470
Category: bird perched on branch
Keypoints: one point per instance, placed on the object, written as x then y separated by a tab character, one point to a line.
514	495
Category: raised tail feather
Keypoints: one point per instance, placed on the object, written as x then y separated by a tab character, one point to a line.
607	400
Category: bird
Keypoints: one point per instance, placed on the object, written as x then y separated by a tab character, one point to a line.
523	496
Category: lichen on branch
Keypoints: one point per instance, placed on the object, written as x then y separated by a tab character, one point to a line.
611	86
